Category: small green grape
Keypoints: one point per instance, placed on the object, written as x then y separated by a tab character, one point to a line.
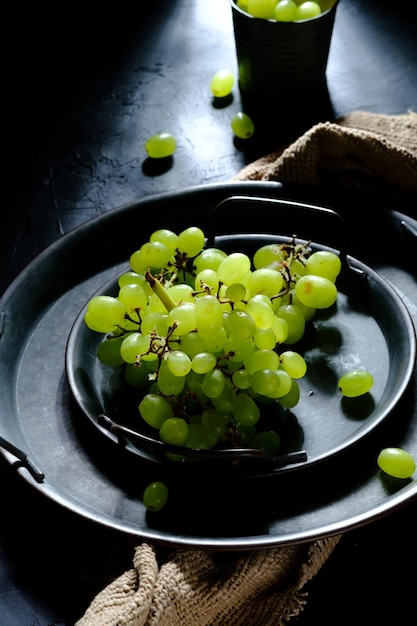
396	462
286	11
174	430
221	84
307	10
155	496
242	125
155	409
161	145
108	351
261	8
355	383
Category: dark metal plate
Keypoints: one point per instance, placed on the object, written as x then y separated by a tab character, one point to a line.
94	478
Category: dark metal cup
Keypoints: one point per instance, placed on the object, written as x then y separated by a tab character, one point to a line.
281	62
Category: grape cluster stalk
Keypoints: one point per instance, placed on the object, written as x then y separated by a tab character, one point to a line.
208	336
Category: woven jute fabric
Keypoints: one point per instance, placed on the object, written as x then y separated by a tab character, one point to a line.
198	588
376	156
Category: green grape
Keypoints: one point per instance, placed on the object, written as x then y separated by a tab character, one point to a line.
261	312
233	268
222	83
238	349
307	311
214	341
133	297
199	438
155	305
235	292
194	385
155	496
208	314
265	382
396	462
293	363
225	400
154	410
191	241
133	278
295	322
265	281
265	338
108	351
280	328
133	346
262	359
169	384
215	422
241	324
192	343
355	383
297	268
242	379
155	254
183	317
167	237
181	292
213	383
179	363
137	263
292	397
155	321
307	10
269	254
246	411
207	277
267	440
242	4
137	376
160	146
284	386
242	125
203	362
209	258
261	8
104	314
174	430
285	11
324	263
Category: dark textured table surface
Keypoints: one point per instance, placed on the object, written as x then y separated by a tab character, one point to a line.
80	96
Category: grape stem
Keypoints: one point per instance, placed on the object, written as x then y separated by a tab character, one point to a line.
159	290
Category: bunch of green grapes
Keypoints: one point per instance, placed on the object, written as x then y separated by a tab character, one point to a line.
284	10
208	336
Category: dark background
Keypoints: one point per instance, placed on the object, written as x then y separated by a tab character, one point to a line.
81	92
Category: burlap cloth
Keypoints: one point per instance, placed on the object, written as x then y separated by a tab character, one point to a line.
375	155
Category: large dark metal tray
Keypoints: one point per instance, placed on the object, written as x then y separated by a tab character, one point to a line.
46	436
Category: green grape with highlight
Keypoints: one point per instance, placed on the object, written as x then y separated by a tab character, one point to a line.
221	84
242	125
160	145
396	462
355	383
155	496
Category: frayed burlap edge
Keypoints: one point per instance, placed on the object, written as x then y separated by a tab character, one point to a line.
197	588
